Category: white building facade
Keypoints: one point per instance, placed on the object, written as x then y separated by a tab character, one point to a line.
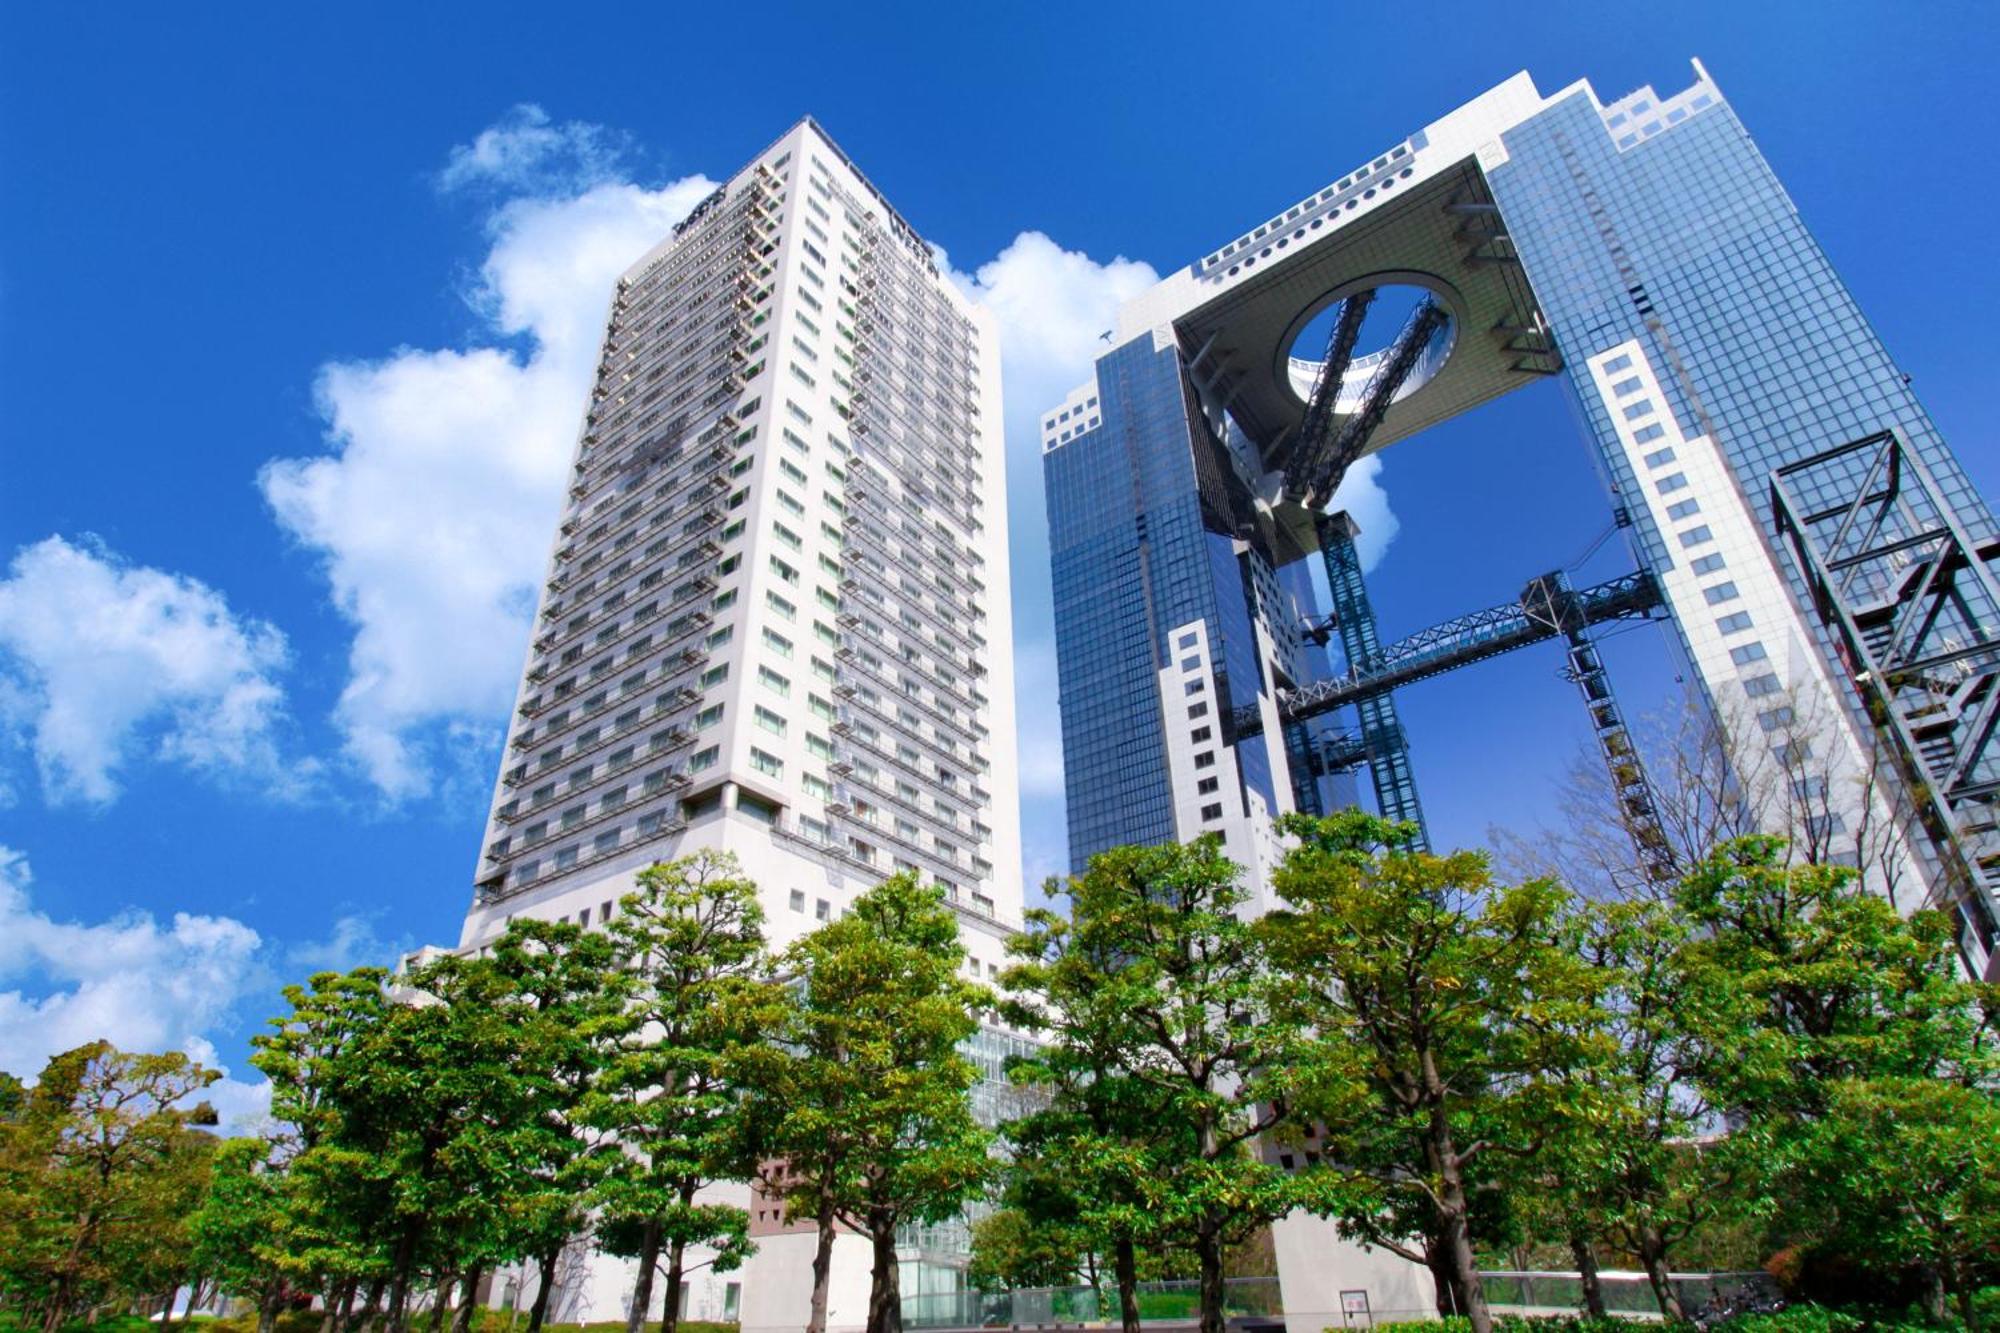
776	621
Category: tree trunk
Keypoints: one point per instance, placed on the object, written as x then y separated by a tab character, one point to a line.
670	1309
1586	1270
58	1306
267	1308
1452	1206
642	1286
461	1318
350	1318
1934	1303
167	1309
822	1267
885	1295
440	1298
546	1261
1653	1255
1208	1253
399	1280
1444	1277
1125	1262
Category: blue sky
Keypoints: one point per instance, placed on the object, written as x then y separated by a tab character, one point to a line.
293	306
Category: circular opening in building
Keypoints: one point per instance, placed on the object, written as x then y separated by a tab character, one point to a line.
1390	309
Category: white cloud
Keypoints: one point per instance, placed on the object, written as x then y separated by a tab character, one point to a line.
99	658
433	508
1053	306
528	153
354	943
1360	493
129	980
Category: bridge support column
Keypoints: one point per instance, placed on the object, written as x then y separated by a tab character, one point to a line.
1381	732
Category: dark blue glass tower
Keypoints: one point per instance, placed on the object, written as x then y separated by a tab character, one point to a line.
1792	507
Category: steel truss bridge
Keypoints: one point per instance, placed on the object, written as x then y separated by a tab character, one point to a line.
1548	608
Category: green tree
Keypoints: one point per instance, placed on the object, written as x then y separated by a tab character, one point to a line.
332	1196
442	1090
1158	980
1447	1012
1910	1168
863	1097
1826	1013
1012	1249
1082	1163
1650	1174
240	1217
89	1156
692	942
566	996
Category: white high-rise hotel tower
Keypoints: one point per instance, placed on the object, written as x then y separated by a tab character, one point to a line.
776	620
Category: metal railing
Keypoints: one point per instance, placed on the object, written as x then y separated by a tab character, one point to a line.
1169	1302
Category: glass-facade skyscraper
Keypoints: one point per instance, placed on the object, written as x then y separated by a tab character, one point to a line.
1642	251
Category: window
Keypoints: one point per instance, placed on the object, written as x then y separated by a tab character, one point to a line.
1736	623
1707	564
777	642
1695	536
1206	759
1618	363
822	910
1189	640
785	609
1198	710
1198	735
1673	481
1207	786
1642	408
1625	386
1660	458
1718	593
783	570
767	764
1196	686
1771	719
1748	653
1758	686
818	746
1683	509
798	900
774	682
714	676
708	716
1648	433
769	720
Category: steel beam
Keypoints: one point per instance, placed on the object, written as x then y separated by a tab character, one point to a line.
1327	471
1315	434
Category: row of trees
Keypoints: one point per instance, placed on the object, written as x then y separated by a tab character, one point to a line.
1453	1067
487	1110
1449	1066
